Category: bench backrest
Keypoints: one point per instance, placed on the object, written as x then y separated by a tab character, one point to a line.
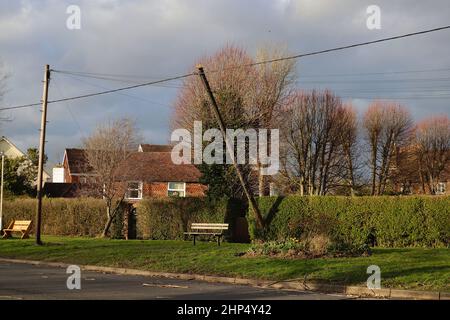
21	225
209	226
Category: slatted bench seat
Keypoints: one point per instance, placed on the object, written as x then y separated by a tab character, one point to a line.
22	226
211	229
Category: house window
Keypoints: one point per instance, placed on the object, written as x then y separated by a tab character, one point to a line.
441	188
176	189
134	190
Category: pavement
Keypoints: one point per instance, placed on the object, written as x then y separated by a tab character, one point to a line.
36	282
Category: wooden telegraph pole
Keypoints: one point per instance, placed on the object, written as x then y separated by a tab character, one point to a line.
230	149
41	154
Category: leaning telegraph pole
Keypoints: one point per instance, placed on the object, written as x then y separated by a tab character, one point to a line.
41	154
230	148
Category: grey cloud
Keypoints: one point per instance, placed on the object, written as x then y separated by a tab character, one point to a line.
163	38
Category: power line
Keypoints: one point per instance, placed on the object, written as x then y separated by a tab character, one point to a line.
372	73
239	66
374	80
21	106
101	93
116	79
120	93
122	89
66	104
419	92
393	98
127	77
114	75
350	46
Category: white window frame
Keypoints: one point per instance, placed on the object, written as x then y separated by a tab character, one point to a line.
139	190
177	190
441	188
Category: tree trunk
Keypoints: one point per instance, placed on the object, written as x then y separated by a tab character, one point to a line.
374	166
108	222
432	185
350	170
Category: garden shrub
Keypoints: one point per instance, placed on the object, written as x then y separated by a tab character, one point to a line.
385	221
313	247
62	217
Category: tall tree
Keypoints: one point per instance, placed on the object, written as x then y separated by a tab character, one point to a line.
271	92
314	141
106	148
433	149
387	126
349	136
248	97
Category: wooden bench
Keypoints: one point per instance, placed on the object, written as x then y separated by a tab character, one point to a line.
211	229
22	226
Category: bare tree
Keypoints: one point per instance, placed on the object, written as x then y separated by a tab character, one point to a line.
349	133
372	125
248	97
232	87
432	149
387	126
106	148
270	93
313	136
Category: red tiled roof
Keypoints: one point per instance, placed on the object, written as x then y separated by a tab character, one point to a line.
77	161
156	167
156	147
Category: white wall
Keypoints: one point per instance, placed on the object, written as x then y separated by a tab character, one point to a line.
58	175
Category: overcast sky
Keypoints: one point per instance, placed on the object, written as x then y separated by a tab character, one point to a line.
157	39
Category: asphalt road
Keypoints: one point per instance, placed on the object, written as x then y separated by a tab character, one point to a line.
24	281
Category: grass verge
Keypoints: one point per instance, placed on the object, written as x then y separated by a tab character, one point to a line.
405	268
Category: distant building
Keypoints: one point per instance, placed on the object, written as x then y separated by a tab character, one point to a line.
10	151
58	174
154	148
76	168
408	177
149	172
153	174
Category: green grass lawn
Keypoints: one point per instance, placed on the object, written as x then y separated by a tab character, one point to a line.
406	268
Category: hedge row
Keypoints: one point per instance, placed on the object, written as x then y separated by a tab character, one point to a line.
169	218
156	218
63	217
382	221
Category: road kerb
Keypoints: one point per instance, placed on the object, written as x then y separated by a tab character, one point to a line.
415	295
282	285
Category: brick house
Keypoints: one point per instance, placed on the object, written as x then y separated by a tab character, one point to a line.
75	166
149	172
153	174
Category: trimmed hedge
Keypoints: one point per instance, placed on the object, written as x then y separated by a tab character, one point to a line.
169	218
165	218
61	217
383	221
